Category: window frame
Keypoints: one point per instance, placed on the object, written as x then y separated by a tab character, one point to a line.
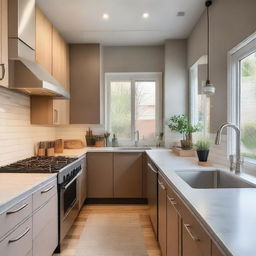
134	77
235	56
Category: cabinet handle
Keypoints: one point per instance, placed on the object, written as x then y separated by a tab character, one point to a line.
19	237
171	200
17	210
47	190
151	168
3	71
161	184
188	228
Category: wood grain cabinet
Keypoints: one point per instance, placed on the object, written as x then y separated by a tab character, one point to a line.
3	44
85	83
128	175
100	175
173	231
162	210
48	111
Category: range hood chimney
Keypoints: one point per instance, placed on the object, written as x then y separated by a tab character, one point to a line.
25	74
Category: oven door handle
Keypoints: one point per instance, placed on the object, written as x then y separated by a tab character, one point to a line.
64	187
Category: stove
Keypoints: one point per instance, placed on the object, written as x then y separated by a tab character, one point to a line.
42	164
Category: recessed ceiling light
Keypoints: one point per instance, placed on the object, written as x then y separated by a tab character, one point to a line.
105	16
145	15
181	14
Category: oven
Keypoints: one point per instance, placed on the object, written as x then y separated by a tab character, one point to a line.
69	194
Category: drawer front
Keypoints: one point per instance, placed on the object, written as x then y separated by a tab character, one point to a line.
15	215
45	229
44	194
19	242
195	239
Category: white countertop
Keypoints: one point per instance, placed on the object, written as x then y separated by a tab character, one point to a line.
17	186
229	215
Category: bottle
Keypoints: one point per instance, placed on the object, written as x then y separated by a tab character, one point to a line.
114	141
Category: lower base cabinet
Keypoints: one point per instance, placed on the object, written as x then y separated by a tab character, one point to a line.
179	231
45	228
19	242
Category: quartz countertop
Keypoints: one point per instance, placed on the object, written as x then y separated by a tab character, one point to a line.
229	215
17	186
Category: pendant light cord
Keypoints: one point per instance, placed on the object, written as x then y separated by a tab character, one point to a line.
208	45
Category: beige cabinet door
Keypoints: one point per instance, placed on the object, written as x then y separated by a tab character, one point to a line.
128	175
216	251
60	112
43	41
173	228
59	58
162	200
100	175
85	84
3	44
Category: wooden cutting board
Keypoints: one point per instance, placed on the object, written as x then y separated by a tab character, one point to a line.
59	146
73	144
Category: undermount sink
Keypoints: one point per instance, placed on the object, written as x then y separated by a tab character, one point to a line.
212	179
134	148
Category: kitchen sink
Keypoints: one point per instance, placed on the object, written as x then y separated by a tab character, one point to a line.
213	179
133	148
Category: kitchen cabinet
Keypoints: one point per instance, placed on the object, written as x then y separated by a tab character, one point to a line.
19	242
52	51
83	185
152	174
128	175
45	227
46	111
162	210
43	41
3	43
216	251
173	231
100	175
85	84
60	59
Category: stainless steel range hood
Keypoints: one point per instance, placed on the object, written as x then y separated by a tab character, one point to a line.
25	74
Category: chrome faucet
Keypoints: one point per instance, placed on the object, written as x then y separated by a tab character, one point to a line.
234	164
137	138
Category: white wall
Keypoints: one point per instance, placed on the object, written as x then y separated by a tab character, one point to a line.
17	135
175	84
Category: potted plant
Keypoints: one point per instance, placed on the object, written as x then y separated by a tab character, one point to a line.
99	141
106	136
202	148
181	124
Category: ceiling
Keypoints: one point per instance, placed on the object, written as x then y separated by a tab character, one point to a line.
80	21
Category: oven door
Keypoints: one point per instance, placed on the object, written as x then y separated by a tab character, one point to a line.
69	205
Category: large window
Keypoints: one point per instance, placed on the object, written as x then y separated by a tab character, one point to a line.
242	97
133	103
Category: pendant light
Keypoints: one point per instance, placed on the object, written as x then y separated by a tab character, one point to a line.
209	88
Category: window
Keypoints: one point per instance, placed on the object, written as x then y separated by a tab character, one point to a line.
199	102
242	97
133	104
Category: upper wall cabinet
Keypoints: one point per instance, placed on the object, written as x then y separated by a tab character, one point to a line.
52	51
85	84
3	43
43	41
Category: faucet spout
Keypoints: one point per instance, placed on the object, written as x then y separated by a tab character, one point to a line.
238	143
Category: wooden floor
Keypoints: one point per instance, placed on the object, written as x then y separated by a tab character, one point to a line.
71	241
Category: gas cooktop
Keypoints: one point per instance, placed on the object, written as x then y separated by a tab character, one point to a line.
42	164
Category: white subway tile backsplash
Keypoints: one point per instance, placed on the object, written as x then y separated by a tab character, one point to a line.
17	136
